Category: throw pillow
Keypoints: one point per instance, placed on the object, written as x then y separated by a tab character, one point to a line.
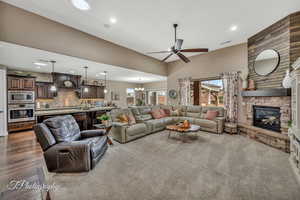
167	112
156	114
131	119
123	118
211	114
175	112
162	113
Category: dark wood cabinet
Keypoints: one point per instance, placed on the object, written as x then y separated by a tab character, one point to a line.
20	83
20	126
43	90
94	92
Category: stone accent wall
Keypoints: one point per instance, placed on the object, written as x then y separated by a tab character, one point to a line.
283	102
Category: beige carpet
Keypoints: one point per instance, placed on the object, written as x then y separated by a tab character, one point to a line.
212	167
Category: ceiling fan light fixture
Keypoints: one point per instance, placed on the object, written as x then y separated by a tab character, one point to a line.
81	4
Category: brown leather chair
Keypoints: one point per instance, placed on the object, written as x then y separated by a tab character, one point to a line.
66	148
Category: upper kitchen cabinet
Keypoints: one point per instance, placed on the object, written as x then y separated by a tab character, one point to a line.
66	80
94	92
20	83
43	90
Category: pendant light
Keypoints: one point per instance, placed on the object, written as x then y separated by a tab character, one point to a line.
53	87
105	84
86	89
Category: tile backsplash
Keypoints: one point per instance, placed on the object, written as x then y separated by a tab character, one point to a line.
64	98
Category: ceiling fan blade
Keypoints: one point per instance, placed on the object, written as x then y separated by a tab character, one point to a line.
195	50
159	52
178	44
182	57
167	57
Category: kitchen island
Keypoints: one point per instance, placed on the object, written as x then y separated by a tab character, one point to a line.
85	118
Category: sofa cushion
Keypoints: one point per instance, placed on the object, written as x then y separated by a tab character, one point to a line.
191	114
143	118
63	128
144	110
156	123
136	129
193	111
205	123
169	120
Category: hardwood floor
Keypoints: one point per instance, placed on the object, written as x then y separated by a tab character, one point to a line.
21	159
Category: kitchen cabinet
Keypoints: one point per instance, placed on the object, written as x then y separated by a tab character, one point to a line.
43	90
20	126
94	92
15	82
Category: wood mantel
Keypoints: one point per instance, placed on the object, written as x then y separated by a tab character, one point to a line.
276	92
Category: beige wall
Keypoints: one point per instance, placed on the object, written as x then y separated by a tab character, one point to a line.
211	64
120	89
28	29
159	85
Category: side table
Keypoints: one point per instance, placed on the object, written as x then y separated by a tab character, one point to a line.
107	130
231	128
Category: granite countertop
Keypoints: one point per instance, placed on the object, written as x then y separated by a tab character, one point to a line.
60	111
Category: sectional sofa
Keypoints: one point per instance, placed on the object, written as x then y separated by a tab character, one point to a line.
145	124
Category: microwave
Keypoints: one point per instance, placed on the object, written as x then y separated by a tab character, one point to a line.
20	97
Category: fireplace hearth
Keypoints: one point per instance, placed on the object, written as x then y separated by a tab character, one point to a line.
267	117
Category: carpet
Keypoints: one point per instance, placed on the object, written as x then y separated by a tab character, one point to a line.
212	167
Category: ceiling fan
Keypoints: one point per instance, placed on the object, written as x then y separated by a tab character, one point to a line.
176	49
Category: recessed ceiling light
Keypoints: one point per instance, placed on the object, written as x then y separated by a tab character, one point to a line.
72	72
113	20
233	28
81	4
103	73
40	63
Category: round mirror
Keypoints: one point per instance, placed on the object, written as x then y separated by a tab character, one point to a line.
266	62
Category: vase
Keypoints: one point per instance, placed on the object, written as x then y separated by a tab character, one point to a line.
251	84
287	81
245	84
105	122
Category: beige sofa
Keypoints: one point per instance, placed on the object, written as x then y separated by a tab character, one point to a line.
145	124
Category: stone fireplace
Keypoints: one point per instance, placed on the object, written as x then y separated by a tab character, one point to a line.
278	107
267	117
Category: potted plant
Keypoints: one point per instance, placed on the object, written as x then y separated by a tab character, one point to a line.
104	119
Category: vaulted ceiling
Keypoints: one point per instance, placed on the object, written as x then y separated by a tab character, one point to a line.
147	25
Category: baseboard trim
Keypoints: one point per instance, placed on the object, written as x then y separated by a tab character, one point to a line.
295	170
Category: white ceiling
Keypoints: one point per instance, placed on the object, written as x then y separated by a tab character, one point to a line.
22	58
146	25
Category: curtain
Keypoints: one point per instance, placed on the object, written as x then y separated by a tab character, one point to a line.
184	91
231	89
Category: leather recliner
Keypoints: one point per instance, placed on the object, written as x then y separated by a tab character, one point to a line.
66	148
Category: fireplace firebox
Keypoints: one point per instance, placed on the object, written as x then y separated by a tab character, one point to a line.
267	117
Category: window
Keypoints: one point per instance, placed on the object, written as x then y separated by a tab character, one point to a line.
130	98
210	92
156	97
